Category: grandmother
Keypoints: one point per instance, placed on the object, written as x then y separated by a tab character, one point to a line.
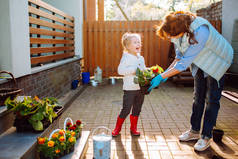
209	55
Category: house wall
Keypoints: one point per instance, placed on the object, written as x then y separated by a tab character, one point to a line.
52	79
5	58
14	39
229	14
226	11
212	12
53	82
73	8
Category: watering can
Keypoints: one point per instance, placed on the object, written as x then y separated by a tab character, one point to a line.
98	74
102	143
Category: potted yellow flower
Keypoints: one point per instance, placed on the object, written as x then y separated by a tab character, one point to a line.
47	148
58	144
156	70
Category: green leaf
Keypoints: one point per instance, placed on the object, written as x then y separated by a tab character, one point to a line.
50	118
9	103
137	72
136	80
37	125
37	116
23	112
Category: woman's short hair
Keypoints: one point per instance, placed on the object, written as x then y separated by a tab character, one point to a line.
175	23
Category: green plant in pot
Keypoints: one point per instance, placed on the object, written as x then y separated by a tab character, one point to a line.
143	77
32	112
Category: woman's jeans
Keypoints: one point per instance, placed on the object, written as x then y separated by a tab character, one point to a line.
206	89
132	100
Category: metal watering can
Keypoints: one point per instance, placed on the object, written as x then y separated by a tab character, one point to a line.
102	144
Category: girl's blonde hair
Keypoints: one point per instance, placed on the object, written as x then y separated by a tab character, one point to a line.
176	23
126	38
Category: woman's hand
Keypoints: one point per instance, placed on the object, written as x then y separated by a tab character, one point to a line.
164	80
155	82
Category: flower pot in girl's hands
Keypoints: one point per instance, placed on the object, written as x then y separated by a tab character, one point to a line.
144	89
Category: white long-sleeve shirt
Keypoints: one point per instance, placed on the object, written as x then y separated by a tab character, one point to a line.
127	68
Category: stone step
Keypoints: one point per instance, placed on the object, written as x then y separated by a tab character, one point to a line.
15	145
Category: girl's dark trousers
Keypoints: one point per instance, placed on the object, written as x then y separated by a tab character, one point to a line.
132	100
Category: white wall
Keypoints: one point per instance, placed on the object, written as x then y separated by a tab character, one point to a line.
5	44
14	31
73	8
229	14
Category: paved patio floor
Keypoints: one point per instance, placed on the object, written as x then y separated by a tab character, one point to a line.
165	115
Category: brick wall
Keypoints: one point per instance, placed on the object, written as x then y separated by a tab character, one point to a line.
53	82
212	12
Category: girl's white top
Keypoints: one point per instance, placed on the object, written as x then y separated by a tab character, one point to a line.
127	67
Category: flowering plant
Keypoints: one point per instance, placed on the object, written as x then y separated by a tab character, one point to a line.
51	148
156	69
77	128
143	77
70	141
58	144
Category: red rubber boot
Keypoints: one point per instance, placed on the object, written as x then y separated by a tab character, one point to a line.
117	129
134	120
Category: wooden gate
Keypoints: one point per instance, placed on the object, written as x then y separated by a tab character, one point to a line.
102	44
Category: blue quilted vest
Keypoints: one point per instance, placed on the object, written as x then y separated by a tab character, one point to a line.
216	57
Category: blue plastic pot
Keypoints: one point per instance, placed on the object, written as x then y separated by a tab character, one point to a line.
86	77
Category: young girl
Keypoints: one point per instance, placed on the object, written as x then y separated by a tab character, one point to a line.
132	98
200	46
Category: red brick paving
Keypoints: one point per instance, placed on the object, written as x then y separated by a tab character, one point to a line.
165	115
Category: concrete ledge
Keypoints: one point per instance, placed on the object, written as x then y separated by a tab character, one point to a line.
52	65
15	145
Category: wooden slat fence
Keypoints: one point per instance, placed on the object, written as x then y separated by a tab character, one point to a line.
102	44
51	33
